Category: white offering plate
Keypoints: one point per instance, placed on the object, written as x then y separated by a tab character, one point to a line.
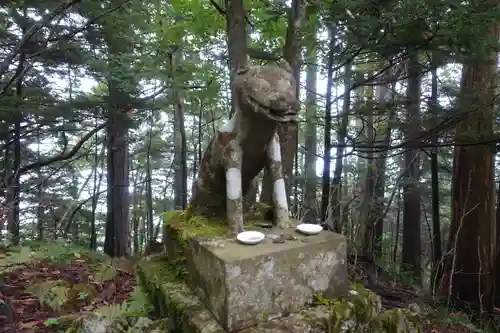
309	228
250	237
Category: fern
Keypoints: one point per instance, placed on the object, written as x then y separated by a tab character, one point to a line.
139	303
61	252
52	293
23	256
154	294
113	311
137	306
105	272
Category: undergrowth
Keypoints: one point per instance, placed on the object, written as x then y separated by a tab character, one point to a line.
60	295
361	312
55	252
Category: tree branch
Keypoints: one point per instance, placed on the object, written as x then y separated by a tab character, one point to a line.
4	66
63	155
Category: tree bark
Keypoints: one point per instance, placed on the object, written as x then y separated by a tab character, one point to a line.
288	132
411	192
118	198
310	183
336	186
468	274
236	41
180	160
384	96
436	224
325	191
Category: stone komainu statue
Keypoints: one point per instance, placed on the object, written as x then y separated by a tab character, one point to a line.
248	143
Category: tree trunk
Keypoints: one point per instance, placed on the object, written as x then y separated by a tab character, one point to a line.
325	192
371	179
14	189
117	223
377	214
436	224
288	131
411	191
336	187
468	273
149	181
310	183
96	189
116	237
236	40
398	226
180	159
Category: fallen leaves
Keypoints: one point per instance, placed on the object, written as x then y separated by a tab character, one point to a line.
89	289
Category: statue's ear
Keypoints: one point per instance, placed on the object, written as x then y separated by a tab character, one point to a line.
282	63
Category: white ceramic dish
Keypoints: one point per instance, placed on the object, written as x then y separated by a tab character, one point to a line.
309	228
250	237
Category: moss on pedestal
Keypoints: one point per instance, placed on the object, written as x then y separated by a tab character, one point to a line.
193	225
171	297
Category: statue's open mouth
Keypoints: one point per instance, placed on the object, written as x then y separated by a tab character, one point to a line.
281	114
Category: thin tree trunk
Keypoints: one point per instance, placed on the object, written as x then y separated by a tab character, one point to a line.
95	192
398	226
236	40
336	187
377	215
325	193
180	164
411	252
288	132
149	180
39	205
371	180
15	185
436	224
310	183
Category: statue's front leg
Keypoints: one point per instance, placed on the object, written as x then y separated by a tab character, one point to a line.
279	190
234	199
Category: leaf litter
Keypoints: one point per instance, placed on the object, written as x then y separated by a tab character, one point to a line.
34	295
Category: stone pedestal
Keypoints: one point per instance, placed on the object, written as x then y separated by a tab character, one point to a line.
243	285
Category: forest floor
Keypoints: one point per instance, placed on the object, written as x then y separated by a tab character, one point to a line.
61	282
40	286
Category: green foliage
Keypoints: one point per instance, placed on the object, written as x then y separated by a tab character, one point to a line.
105	272
55	252
129	46
113	311
398	272
361	312
51	322
15	257
155	296
138	305
192	226
458	318
55	294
